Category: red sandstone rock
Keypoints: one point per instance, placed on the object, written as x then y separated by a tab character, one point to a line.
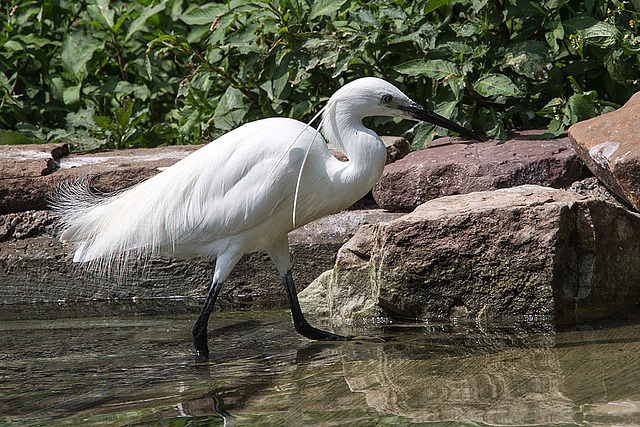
453	166
610	146
29	173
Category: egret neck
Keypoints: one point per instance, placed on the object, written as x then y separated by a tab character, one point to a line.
342	127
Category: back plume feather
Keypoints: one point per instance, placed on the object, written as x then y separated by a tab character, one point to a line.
94	222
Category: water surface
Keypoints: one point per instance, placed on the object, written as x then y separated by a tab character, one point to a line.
124	363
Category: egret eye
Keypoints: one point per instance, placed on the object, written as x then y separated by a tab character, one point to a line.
386	99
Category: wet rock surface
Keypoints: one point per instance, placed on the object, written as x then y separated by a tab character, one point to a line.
527	250
36	267
609	145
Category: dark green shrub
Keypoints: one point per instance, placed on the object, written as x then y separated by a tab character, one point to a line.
144	73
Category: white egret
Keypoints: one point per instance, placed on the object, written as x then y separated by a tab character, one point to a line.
243	193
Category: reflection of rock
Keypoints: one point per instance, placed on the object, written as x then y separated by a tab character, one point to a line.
576	376
497	386
601	373
526	250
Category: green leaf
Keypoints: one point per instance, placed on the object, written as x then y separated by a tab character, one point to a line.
601	34
552	107
82	118
325	7
71	95
297	7
433	5
230	110
101	13
530	58
492	124
35	40
476	5
446	109
434	68
365	18
278	79
103	122
146	13
121	19
581	107
123	114
423	134
615	65
578	23
496	85
77	50
342	62
204	15
574	84
244	38
525	9
56	85
558	31
553	43
554	130
9	137
466	29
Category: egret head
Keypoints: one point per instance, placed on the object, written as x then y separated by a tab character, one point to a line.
370	96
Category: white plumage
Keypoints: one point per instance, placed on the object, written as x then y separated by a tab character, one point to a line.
237	194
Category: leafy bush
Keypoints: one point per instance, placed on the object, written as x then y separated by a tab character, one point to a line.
144	73
76	70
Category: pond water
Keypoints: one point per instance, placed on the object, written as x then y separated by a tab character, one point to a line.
117	363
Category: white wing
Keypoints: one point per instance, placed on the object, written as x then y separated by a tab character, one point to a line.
202	204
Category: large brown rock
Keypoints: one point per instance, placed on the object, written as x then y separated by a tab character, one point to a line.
610	146
455	166
22	170
527	250
29	173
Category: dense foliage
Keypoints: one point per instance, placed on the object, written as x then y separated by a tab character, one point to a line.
141	73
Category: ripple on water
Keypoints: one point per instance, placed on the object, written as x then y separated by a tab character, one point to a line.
65	364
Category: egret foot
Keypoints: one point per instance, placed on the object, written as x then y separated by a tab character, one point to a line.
306	330
202	349
200	342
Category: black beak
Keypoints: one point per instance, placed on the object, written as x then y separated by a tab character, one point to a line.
418	112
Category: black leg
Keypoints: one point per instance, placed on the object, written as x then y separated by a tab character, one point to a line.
200	327
302	326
